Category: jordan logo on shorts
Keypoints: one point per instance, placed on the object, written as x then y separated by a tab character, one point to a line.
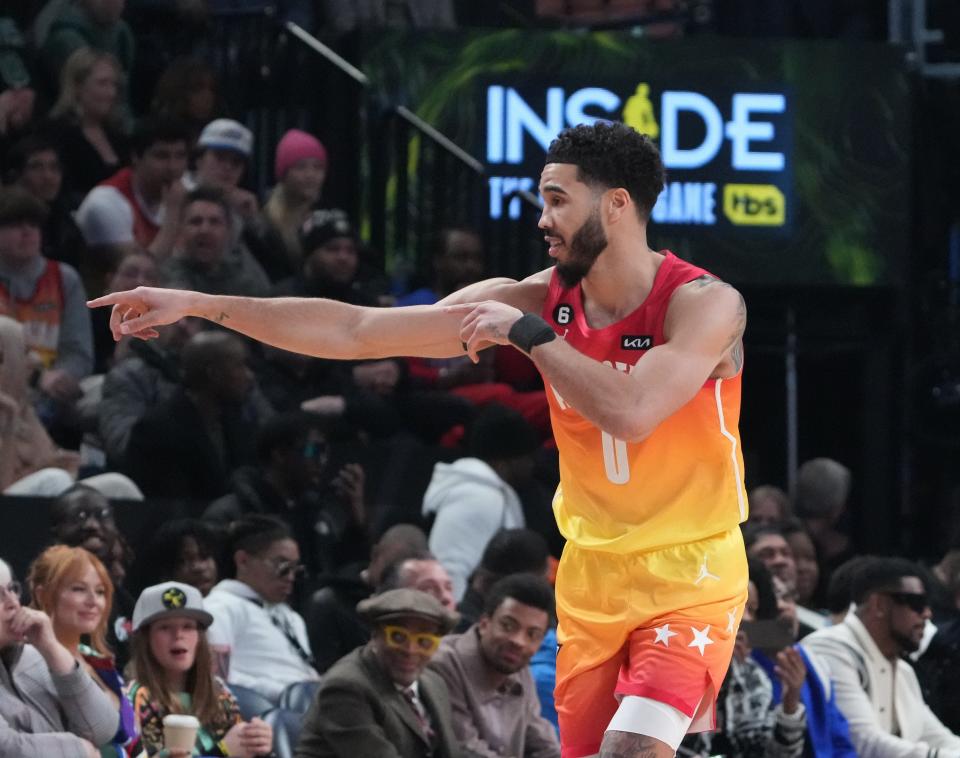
704	574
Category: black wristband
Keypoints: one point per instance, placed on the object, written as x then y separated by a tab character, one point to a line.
529	331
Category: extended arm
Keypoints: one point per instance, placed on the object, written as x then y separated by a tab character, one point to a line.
704	328
317	327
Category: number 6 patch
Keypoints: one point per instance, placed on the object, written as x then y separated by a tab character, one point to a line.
563	314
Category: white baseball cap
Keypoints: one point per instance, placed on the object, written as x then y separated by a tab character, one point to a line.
227	134
170	599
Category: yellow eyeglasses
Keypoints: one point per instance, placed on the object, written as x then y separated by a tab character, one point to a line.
400	638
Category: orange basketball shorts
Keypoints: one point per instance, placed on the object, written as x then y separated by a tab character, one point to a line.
658	625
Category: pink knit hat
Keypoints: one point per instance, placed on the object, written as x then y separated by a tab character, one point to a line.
294	146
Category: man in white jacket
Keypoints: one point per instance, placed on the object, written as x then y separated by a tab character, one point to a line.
876	689
474	498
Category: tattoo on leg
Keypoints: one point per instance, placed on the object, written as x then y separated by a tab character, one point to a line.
629	745
222	317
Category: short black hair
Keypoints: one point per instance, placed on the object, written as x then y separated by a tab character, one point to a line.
840	587
285	430
879	574
206	193
515	551
18	206
156	129
766	595
20	153
158	560
256	532
528	589
753	532
613	155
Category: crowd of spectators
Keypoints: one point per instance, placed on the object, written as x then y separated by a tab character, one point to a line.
369	555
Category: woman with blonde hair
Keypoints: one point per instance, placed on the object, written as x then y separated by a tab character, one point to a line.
300	168
87	121
73	588
174	675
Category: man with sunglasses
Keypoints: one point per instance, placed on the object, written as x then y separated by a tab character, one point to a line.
379	700
261	643
876	689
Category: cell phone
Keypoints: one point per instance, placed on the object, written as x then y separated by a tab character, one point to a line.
768	635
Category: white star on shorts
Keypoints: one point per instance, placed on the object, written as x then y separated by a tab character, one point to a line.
701	638
731	620
664	634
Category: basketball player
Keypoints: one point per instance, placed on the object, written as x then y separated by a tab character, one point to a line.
642	356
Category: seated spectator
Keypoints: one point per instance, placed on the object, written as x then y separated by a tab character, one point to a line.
86	122
750	721
33	164
188	445
495	706
473	498
83	517
173	668
187	91
126	271
147	377
49	705
875	688
205	261
74	589
331	613
223	151
379	700
820	502
805	558
330	260
261	641
769	505
300	168
292	481
457	261
140	205
769	545
509	551
183	550
420	572
30	462
48	298
88	23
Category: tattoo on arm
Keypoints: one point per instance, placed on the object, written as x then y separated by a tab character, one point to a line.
222	317
736	347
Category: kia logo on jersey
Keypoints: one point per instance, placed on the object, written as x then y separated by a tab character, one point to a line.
636	341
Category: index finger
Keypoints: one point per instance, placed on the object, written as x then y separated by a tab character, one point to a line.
113	298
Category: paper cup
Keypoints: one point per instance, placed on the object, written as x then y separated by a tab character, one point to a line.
179	731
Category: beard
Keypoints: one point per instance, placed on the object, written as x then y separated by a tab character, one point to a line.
906	642
585	247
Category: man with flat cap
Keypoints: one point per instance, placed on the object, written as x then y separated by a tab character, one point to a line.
379	700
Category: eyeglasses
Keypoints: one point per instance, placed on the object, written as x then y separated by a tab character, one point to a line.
399	637
915	601
14	589
283	568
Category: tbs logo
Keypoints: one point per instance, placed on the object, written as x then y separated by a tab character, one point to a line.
636	342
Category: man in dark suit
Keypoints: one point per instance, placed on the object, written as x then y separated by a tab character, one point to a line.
379	700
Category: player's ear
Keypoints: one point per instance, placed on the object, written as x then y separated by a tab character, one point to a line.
618	202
